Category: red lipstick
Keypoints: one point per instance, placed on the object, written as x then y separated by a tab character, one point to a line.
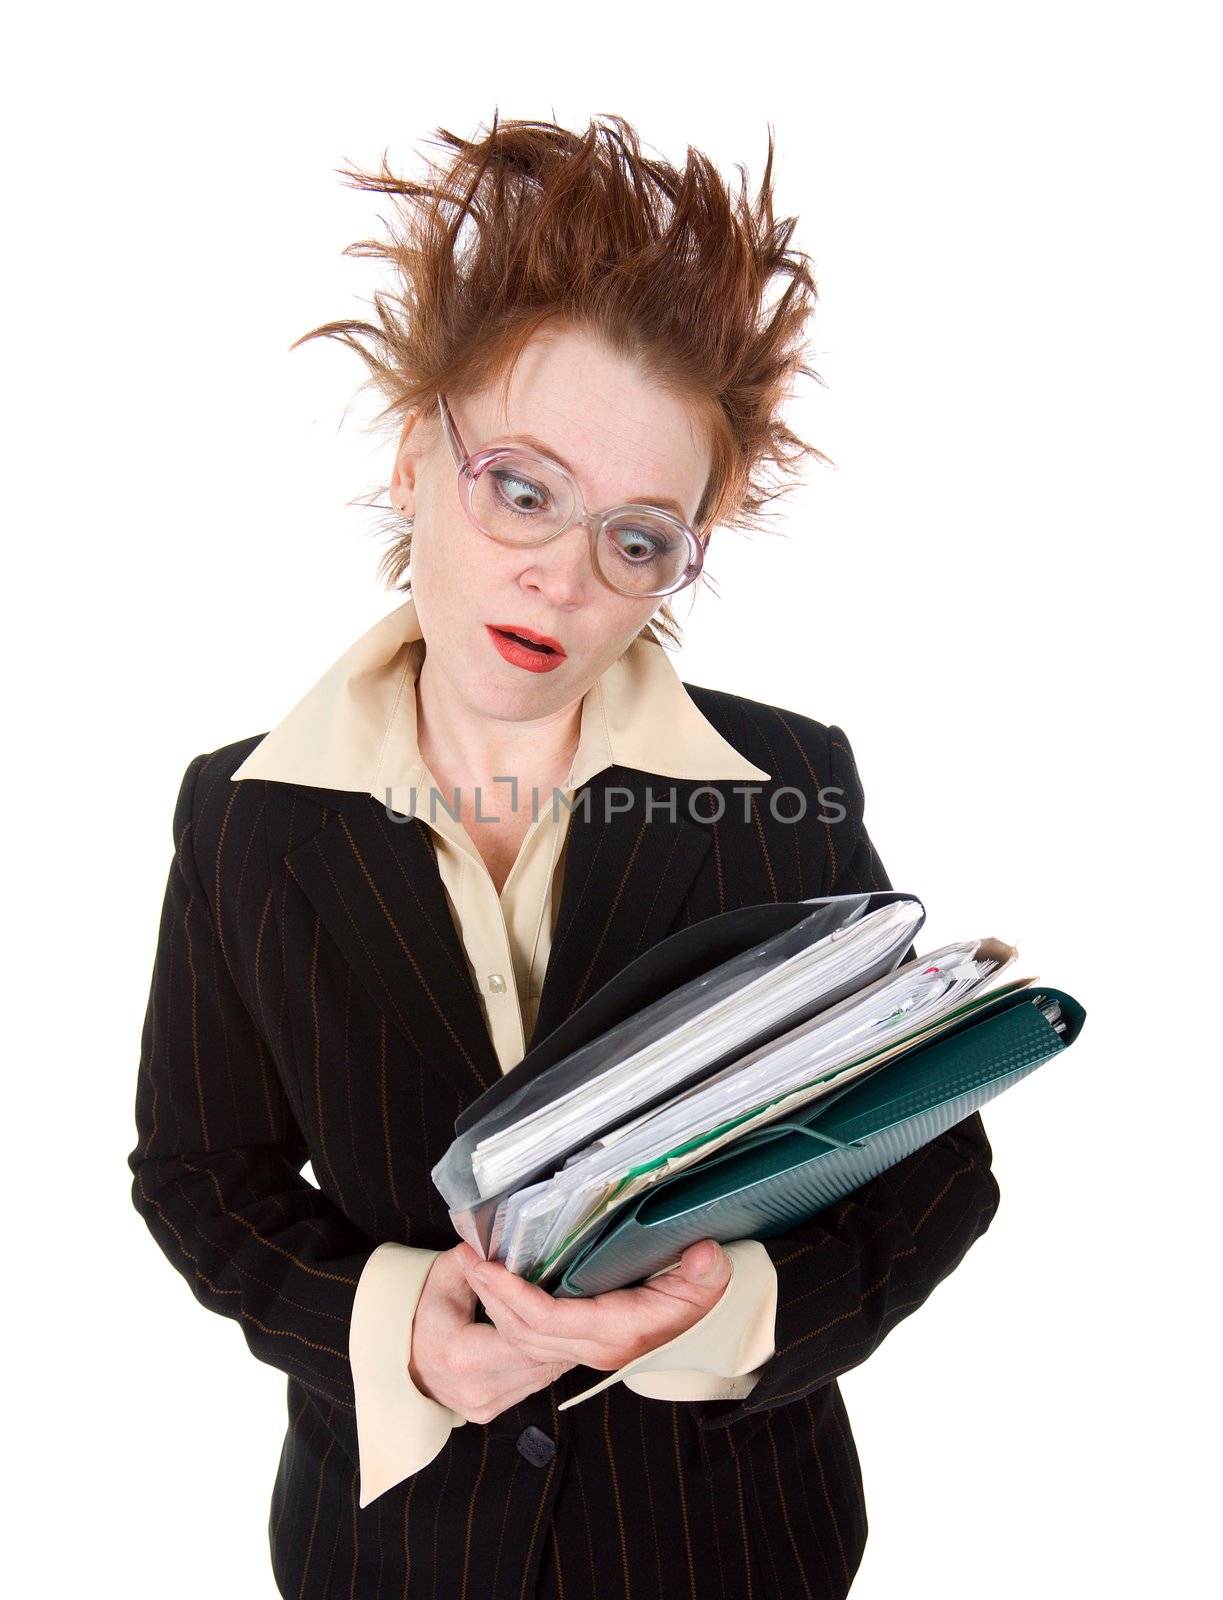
524	647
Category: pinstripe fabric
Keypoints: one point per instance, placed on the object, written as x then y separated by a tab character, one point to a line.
289	1018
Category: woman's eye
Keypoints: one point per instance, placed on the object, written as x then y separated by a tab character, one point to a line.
520	493
636	545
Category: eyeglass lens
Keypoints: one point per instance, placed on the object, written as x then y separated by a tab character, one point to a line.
520	500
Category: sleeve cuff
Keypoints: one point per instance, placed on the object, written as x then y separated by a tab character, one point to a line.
399	1429
719	1357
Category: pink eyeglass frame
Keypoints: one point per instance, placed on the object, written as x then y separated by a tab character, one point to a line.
470	467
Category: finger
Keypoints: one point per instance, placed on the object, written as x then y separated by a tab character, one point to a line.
591	1329
603	1331
493	1350
487	1350
699	1277
507	1322
537	1344
706	1263
459	1260
532	1306
530	1341
453	1300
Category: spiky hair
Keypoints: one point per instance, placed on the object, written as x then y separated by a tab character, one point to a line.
532	224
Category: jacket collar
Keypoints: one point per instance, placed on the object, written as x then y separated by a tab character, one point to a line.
356	728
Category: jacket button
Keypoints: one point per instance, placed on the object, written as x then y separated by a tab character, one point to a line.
536	1446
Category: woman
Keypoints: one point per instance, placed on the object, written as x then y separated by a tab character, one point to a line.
585	383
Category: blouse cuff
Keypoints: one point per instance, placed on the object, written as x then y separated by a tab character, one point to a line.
399	1429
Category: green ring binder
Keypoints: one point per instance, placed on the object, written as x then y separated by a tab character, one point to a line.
770	1178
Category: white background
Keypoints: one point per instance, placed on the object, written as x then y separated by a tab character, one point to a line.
1005	594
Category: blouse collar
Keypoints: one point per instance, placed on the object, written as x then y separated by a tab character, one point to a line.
356	727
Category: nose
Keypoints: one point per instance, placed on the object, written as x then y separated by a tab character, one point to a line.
562	569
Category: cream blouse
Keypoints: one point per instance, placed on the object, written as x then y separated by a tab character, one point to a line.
357	729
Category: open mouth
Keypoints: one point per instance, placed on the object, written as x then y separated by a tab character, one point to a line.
527	644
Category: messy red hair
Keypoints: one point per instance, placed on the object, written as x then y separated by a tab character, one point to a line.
531	225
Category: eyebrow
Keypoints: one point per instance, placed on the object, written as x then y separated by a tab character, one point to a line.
663	501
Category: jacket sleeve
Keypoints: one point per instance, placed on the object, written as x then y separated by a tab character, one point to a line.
217	1167
847	1275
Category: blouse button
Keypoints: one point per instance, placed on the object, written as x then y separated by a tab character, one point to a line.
496	983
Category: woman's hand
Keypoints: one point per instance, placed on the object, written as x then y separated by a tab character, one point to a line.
603	1331
468	1365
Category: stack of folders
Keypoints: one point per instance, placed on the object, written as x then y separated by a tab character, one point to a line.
737	1078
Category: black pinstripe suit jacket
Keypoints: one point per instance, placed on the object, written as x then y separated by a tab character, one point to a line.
310	1000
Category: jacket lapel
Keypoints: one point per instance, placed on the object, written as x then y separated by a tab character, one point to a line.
374	882
626	874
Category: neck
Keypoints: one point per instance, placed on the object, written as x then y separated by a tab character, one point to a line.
466	749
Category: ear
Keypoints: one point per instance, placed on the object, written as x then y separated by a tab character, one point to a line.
413	444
